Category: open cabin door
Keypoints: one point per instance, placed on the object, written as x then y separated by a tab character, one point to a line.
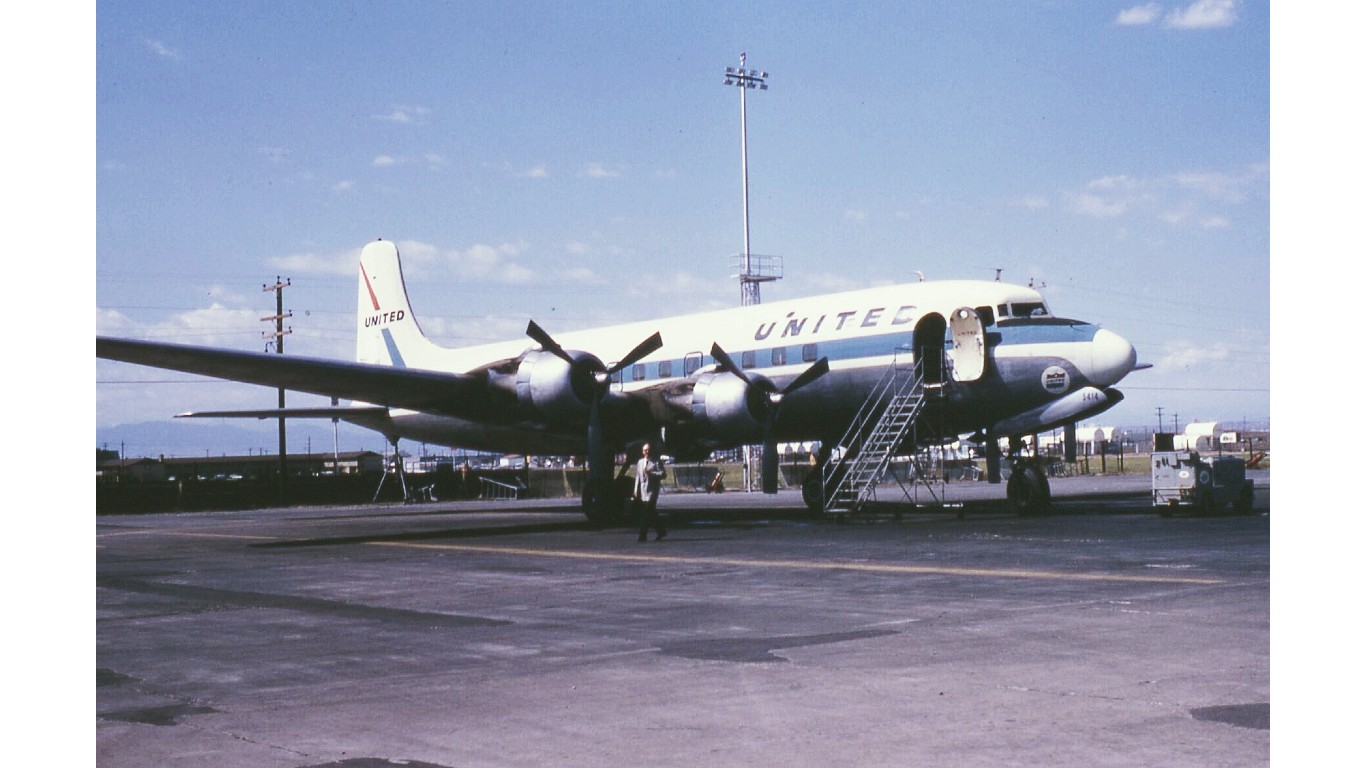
968	355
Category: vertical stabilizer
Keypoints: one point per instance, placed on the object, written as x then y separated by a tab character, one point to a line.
387	333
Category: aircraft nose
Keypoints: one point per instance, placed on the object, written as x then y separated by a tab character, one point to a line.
1112	357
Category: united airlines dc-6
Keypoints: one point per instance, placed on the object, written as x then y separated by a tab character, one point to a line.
868	373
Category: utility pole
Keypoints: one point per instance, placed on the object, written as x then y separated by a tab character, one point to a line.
279	340
751	268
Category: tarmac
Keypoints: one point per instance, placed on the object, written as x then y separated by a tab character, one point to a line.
514	634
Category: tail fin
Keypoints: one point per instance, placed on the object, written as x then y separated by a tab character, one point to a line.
387	333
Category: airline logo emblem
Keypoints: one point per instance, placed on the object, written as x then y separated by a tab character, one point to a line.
1055	380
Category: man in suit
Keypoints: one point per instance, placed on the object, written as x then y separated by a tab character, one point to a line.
649	475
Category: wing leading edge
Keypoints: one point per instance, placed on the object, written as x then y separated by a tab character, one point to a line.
449	394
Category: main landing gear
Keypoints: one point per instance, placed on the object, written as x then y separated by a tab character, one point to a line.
605	498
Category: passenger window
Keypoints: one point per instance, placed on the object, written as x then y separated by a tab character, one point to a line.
691	363
666	369
747	359
779	356
808	353
638	372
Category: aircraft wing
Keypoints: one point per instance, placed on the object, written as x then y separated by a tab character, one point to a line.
451	394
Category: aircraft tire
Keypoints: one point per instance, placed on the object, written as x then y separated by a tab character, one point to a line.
812	493
1243	506
1206	506
1027	490
602	502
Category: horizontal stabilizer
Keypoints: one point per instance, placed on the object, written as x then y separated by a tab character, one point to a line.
323	412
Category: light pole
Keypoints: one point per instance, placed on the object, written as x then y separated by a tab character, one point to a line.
750	273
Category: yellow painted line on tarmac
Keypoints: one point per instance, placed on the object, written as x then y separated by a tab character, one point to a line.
185	534
818	565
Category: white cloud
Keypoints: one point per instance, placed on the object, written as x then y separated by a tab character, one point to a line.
598	171
1030	202
1177	215
1139	15
1204	14
1112	182
857	217
1223	187
316	264
651	285
385	161
488	262
539	172
1097	206
1185	198
216	325
161	49
582	276
111	322
434	160
405	115
1186	355
346	185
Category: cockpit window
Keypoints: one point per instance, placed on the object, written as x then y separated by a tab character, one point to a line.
1028	309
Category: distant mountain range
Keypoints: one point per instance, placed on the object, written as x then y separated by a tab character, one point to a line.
183	438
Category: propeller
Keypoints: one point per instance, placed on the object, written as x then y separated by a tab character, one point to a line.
588	372
766	399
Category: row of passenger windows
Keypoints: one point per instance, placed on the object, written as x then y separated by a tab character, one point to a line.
667	369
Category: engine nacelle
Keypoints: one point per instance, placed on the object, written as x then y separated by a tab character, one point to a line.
556	390
727	411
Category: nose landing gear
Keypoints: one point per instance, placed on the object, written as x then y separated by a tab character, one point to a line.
1027	490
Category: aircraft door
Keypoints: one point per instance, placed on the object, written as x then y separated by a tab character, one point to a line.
968	355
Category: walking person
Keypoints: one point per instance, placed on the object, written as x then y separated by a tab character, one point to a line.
649	475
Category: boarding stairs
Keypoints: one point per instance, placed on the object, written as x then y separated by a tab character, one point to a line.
888	415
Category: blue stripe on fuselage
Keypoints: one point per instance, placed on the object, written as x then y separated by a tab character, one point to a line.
1040	331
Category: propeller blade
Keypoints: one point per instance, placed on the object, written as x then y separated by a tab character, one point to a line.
547	343
769	469
817	370
727	363
642	349
599	463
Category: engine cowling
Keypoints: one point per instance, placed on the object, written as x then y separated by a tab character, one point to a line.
557	390
729	411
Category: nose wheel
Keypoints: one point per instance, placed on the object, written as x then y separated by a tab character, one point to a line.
1027	490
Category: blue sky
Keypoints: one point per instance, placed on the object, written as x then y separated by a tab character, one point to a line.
579	164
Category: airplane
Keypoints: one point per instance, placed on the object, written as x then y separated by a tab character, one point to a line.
1000	364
